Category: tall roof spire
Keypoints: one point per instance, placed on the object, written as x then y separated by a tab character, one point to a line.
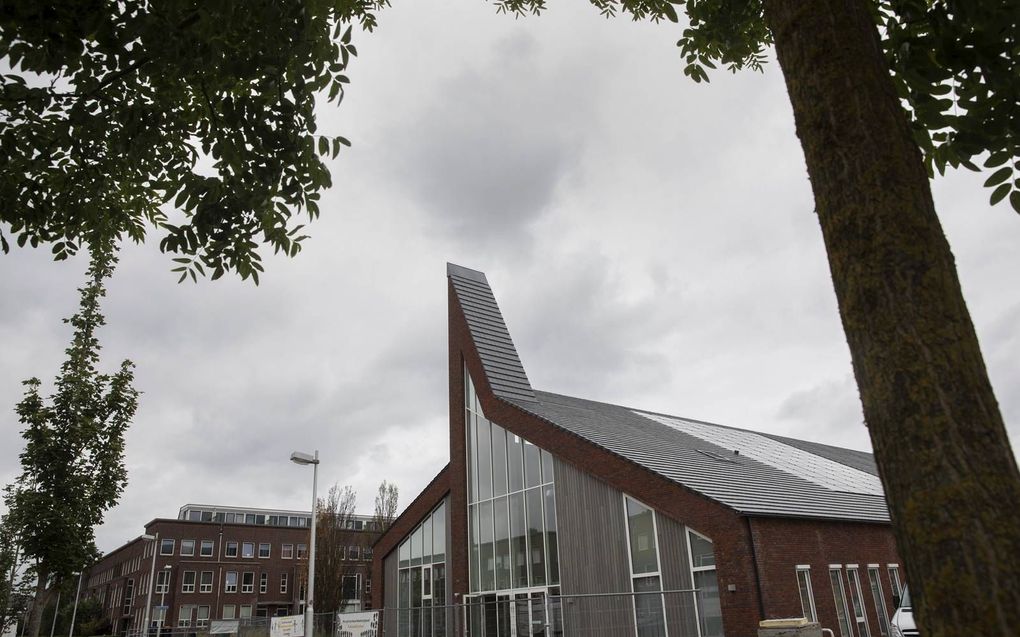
502	365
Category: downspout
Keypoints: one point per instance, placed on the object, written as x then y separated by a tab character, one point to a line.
757	575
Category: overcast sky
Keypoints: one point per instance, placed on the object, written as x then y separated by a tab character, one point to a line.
651	242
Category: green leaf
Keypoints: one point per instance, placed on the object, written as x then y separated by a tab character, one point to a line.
1000	193
1014	200
999	176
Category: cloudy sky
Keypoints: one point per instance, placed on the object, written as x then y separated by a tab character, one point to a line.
651	243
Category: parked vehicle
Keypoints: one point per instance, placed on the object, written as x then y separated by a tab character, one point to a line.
903	619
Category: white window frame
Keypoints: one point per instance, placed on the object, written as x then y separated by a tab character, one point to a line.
854	576
202	547
162	544
269	550
881	609
895	583
690	560
244	552
190	543
227	587
658	564
244	611
185	586
182	620
247	587
232	544
805	569
162	581
263	583
301	551
202	586
287	552
283	582
201	622
233	611
838	569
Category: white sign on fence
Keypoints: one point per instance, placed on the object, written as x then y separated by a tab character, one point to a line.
289	626
223	626
357	624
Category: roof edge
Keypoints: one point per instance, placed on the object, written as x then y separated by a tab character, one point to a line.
452	269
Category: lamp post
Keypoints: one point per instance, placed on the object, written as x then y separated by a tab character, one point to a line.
152	574
301	458
74	614
162	599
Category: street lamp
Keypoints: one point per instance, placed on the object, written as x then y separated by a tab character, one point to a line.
162	599
74	614
152	574
301	458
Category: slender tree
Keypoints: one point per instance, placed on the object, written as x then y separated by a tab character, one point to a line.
385	506
334	535
14	595
72	465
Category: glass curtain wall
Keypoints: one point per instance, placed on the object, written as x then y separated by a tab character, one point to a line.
421	578
511	506
706	583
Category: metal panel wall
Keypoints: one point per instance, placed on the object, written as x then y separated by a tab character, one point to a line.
593	553
390	593
675	562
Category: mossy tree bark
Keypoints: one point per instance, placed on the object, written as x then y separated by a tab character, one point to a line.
950	477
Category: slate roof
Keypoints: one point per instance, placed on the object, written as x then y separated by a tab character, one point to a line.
753	473
499	357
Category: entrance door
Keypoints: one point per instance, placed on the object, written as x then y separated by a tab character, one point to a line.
529	614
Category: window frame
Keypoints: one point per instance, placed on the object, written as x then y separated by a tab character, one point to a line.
245	553
232	544
836	575
204	587
805	570
630	563
268	550
301	551
877	592
185	586
857	595
207	543
227	586
248	582
191	551
286	551
263	583
283	583
163	544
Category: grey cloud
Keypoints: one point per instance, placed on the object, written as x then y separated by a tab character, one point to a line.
828	411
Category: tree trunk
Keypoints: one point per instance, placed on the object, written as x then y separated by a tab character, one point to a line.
42	598
950	477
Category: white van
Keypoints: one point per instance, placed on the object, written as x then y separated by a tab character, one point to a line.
903	619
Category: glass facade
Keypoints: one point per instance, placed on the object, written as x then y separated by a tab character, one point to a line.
511	507
421	578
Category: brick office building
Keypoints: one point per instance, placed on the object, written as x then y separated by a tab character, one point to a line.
563	516
220	563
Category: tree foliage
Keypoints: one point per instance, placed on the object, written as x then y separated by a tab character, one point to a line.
14	586
334	534
73	461
385	506
195	118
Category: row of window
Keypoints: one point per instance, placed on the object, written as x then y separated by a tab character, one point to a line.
241	517
235	549
851	615
205	581
421	582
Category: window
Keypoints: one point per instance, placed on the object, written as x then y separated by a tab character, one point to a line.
188	583
349	588
283	583
205	583
264	549
184	615
302	551
230	582
421	579
129	589
644	568
287	551
159	615
857	601
229	611
245	611
163	581
248	582
231	550
203	616
807	597
839	596
366	552
894	581
207	548
248	549
166	547
354	552
876	592
187	548
703	575
263	582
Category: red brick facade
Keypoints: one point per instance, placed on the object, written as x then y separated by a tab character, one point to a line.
756	558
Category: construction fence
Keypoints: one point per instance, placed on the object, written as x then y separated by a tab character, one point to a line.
522	614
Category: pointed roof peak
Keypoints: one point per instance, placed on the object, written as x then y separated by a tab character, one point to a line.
500	362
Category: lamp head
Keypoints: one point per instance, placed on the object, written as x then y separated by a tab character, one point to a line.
299	457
